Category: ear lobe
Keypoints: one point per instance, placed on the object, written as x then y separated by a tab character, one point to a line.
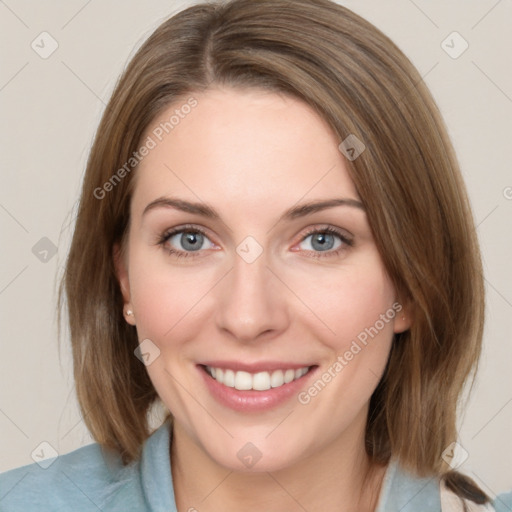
404	317
121	272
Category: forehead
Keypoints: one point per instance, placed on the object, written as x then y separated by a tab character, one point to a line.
241	147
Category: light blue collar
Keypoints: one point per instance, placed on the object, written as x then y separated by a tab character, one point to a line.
156	478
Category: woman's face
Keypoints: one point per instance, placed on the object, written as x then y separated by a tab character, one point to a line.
230	271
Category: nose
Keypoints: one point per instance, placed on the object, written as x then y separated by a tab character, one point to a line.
252	303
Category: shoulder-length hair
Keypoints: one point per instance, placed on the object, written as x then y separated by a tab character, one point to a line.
408	179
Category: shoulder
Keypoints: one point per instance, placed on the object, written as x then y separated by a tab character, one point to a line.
86	479
402	491
503	502
405	492
92	479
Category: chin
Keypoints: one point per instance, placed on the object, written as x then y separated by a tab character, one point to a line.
260	455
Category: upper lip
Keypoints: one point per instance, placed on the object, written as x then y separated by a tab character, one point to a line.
260	366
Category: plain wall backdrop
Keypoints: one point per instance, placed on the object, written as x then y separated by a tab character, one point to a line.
59	64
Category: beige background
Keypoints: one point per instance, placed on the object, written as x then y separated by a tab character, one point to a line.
51	108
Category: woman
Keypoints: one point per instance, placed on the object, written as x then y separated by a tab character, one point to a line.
275	242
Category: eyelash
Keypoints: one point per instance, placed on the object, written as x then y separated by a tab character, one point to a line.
347	242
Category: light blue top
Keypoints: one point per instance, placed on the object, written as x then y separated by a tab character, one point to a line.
88	479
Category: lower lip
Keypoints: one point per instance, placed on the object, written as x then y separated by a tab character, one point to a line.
252	400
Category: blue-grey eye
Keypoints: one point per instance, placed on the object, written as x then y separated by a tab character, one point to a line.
188	240
321	241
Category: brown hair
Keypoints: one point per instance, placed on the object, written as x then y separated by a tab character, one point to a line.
408	178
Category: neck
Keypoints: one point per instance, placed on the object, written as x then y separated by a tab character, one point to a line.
339	478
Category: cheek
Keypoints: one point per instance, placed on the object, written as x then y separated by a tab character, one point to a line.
358	307
352	301
165	297
166	300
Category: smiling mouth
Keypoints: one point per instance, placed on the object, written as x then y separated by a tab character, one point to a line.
260	381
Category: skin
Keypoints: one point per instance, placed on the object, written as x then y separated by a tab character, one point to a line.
234	151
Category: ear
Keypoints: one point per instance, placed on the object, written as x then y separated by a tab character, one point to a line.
404	315
124	282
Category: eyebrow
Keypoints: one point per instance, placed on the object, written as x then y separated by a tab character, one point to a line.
295	212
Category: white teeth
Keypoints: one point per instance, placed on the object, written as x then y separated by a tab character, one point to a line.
243	381
229	379
300	372
289	375
260	381
277	378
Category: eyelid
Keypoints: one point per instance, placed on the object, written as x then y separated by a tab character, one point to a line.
168	233
328	228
